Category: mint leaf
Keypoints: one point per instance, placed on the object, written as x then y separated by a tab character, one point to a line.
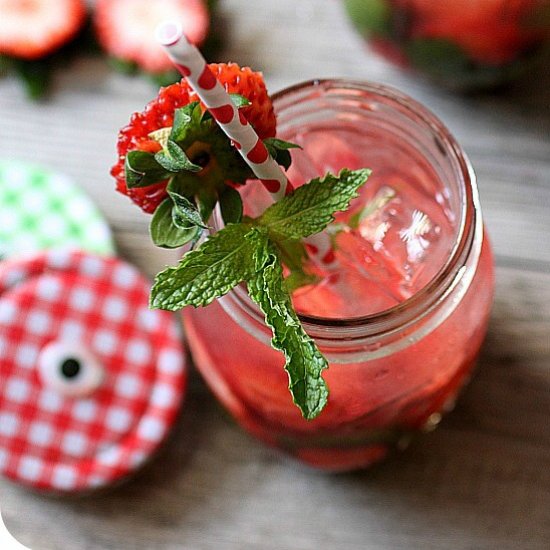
293	255
142	170
279	150
213	269
253	251
231	205
311	207
184	213
163	231
174	159
304	362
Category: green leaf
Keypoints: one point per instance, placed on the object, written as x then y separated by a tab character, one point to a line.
370	16
165	78
184	213
186	120
280	144
206	201
311	207
304	362
123	66
293	255
279	150
142	170
448	63
213	269
231	205
174	159
36	75
239	100
163	231
439	57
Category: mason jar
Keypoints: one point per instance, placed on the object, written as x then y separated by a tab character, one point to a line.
397	359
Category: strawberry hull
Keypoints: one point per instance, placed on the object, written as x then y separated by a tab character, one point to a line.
159	114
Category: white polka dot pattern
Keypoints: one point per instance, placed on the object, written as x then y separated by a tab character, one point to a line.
59	443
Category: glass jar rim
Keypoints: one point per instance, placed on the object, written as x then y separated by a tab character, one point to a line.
444	281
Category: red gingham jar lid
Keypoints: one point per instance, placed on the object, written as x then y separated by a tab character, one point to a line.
91	379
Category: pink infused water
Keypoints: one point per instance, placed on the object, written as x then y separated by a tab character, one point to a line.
391	241
402	311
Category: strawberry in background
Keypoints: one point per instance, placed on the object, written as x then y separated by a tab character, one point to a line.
126	31
464	44
37	34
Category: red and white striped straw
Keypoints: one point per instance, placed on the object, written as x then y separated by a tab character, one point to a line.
192	65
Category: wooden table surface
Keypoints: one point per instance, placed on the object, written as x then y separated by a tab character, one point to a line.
480	481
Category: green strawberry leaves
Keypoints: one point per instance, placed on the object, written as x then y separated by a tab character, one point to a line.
174	159
165	233
252	251
142	169
184	213
195	162
370	16
231	205
239	100
280	151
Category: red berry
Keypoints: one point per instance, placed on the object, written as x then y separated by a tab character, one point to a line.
489	31
159	113
32	29
126	28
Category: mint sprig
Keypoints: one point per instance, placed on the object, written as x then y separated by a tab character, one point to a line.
251	252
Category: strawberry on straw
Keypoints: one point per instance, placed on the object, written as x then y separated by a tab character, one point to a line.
146	128
191	64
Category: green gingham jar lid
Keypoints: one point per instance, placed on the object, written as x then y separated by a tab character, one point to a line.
40	210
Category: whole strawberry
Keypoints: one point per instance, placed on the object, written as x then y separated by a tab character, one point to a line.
174	154
34	34
35	29
126	30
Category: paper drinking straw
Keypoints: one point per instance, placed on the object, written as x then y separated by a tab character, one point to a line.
192	65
